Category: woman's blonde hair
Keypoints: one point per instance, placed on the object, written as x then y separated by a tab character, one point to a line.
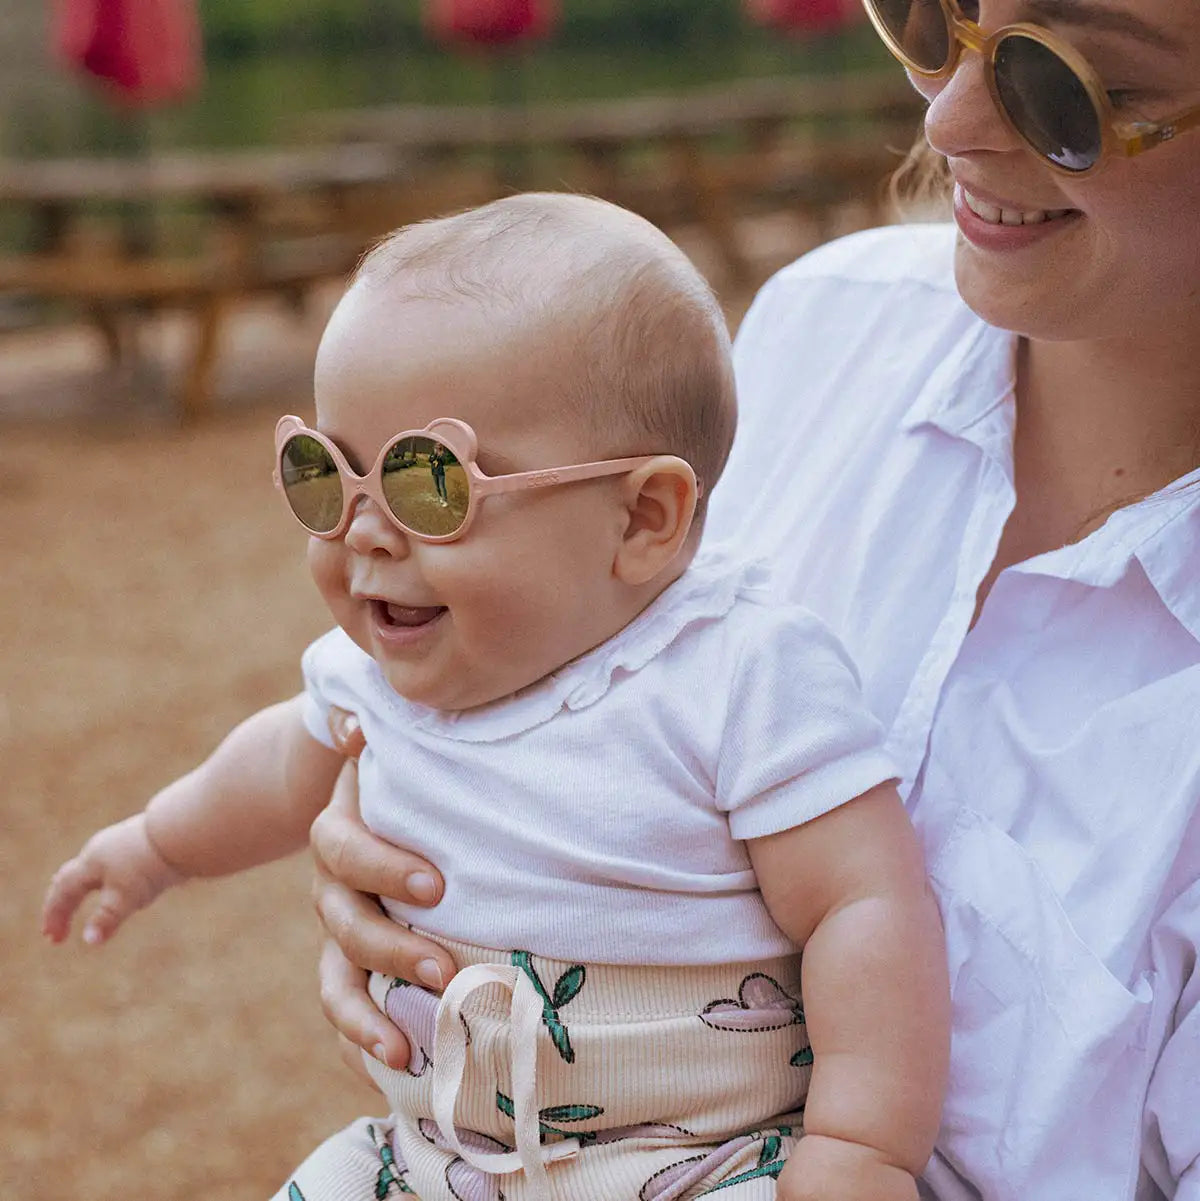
920	188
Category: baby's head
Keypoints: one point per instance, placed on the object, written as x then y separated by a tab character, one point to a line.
562	330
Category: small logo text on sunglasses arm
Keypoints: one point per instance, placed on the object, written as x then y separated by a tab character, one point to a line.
539	479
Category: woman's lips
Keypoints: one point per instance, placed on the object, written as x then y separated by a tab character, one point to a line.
982	223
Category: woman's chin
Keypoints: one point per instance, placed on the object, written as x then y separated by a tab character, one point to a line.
1032	306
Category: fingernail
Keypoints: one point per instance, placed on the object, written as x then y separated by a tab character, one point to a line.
379	1051
422	886
92	936
430	973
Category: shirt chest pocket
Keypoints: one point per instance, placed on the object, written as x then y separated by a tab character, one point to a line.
1049	1059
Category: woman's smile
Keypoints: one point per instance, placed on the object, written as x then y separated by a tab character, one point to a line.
993	227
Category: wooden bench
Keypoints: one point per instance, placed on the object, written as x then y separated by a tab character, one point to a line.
271	223
277	221
708	156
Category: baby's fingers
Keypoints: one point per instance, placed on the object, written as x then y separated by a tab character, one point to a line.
123	864
112	908
68	887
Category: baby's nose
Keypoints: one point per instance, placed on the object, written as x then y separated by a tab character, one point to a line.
372	531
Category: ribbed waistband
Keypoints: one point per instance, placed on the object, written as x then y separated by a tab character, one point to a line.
615	993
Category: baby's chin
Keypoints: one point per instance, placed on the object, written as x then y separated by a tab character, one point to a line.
448	696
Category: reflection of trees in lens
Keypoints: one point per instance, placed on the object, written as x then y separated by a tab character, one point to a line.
458	491
1047	102
311	483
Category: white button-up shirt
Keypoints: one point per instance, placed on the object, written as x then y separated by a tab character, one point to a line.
1051	754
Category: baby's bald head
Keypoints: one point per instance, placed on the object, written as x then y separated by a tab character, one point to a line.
642	341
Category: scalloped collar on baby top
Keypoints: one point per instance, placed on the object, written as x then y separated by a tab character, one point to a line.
707	590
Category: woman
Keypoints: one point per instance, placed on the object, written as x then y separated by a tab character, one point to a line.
974	452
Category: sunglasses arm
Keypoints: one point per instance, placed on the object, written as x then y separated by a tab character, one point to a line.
524	480
1145	136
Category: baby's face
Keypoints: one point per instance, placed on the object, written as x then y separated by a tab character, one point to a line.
530	585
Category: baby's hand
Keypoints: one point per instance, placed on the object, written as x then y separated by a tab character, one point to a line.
124	865
831	1169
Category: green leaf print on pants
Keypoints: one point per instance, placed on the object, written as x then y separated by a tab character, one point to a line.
566	988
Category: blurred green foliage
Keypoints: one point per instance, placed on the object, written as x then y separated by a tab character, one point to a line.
233	27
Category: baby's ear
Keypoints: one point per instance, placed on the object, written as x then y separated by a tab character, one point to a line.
660	500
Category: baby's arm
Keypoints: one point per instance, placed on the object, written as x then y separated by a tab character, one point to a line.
850	887
251	801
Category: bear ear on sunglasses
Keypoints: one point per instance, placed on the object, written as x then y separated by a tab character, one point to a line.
1045	89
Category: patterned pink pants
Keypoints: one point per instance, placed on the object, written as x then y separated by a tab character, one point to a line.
533	1079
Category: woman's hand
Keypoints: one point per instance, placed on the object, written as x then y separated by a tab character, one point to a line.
351	862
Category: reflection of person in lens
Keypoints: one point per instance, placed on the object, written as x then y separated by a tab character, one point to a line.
437	468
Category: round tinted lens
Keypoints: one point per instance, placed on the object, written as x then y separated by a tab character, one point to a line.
311	483
918	30
425	486
1047	103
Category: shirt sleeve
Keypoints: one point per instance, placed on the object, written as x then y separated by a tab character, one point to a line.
799	739
319	667
1171	1130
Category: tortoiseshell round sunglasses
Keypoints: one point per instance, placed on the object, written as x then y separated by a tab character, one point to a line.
1045	89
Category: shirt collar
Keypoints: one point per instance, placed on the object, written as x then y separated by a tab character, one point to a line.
974	378
1161	533
706	591
1169	551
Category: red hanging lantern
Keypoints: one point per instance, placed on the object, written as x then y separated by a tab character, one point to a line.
145	51
804	16
490	22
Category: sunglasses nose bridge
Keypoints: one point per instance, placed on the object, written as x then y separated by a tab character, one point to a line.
967	34
359	491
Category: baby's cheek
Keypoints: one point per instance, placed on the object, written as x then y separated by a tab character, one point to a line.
326	565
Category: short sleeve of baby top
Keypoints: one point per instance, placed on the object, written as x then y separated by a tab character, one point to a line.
602	812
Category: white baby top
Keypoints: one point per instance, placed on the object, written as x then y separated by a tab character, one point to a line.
599	813
1052	752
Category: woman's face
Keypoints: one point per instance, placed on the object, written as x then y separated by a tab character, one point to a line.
1108	256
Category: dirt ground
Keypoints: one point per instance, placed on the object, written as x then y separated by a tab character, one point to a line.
154	594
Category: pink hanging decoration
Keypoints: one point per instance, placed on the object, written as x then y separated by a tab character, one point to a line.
804	16
146	51
490	22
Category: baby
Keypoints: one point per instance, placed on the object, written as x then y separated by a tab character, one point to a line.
647	785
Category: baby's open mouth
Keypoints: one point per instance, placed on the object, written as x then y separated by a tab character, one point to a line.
405	615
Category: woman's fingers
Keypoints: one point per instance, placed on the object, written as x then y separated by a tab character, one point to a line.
372	941
353	868
352	1057
354	1015
347	852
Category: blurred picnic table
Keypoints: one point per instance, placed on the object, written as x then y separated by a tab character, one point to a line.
708	156
277	221
272	221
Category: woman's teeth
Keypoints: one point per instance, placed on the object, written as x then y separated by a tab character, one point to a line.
993	214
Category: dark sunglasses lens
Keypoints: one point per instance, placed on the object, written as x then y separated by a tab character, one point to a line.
425	486
918	29
311	483
1047	103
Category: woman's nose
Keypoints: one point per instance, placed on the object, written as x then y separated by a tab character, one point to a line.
371	531
962	118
